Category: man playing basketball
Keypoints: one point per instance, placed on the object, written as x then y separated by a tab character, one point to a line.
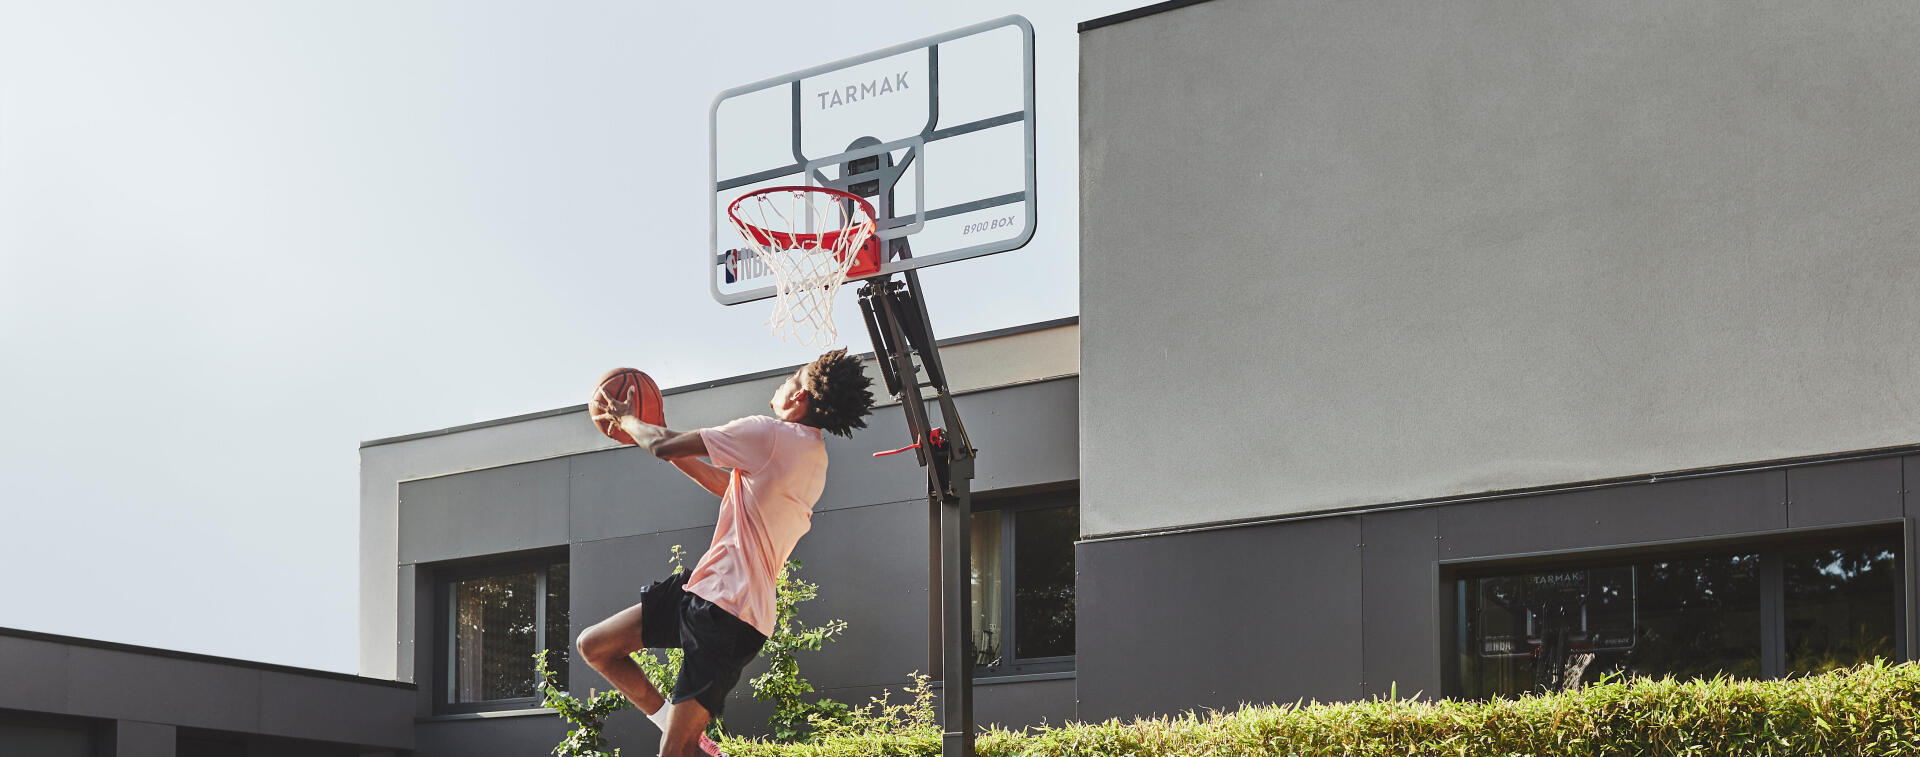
768	473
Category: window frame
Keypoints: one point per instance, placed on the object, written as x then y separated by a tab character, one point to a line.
1009	508
444	577
1769	546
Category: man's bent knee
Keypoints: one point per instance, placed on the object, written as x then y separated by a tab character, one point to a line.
596	647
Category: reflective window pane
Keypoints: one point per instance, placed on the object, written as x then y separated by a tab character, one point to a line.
1043	581
1541	631
1697	617
989	616
494	637
559	623
1840	605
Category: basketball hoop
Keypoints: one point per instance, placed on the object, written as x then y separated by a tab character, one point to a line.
813	239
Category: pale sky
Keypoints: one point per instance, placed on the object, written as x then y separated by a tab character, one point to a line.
239	238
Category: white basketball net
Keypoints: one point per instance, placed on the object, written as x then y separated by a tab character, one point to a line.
808	239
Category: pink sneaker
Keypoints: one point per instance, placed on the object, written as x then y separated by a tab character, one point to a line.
709	748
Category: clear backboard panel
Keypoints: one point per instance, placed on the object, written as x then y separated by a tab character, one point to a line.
937	133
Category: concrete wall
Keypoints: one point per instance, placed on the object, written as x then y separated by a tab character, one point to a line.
1024	354
1337	254
1347	606
128	701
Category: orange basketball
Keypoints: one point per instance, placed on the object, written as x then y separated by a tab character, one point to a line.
617	384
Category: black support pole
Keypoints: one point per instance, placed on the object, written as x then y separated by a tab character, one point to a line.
896	319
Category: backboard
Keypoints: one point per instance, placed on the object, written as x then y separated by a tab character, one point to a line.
937	133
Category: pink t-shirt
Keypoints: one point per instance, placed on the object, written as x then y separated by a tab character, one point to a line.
779	470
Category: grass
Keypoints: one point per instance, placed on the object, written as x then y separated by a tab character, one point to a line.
1873	709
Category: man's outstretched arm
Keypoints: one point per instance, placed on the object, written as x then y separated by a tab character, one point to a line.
682	448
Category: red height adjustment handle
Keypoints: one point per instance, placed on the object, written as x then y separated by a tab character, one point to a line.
939	441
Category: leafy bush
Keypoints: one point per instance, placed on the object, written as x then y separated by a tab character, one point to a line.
782	684
587	718
1873	709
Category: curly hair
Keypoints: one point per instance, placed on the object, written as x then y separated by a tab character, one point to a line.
838	393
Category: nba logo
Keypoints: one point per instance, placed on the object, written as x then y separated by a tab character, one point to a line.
733	266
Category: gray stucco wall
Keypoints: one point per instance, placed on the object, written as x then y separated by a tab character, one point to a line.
1338	254
616	513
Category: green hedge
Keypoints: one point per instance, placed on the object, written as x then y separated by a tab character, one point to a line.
1870	710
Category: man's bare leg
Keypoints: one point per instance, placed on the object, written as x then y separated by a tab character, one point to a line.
682	738
606	647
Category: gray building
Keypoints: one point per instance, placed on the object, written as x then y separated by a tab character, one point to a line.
67	697
1484	346
483	543
1462	348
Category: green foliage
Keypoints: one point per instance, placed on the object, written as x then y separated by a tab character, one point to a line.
1873	709
881	717
587	718
782	684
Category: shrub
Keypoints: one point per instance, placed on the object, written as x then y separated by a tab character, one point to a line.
1873	709
782	684
587	718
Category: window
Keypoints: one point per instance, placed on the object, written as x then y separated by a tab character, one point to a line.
1023	585
1786	607
491	620
1837	608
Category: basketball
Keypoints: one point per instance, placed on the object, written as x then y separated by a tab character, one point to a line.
616	384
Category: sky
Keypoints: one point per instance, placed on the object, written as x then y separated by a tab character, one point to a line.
239	238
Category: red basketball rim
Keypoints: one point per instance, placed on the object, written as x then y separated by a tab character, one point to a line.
793	239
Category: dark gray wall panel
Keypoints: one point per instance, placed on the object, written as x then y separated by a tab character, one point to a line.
1025	704
1400	634
136	739
484	512
1688	508
855	477
35	673
530	735
406	616
632	733
1910	493
421	649
28	738
1910	485
871	566
624	491
293	706
748	716
1026	435
70	679
608	575
1839	493
267	746
1217	618
112	684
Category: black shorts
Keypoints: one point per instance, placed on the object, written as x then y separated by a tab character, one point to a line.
718	645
